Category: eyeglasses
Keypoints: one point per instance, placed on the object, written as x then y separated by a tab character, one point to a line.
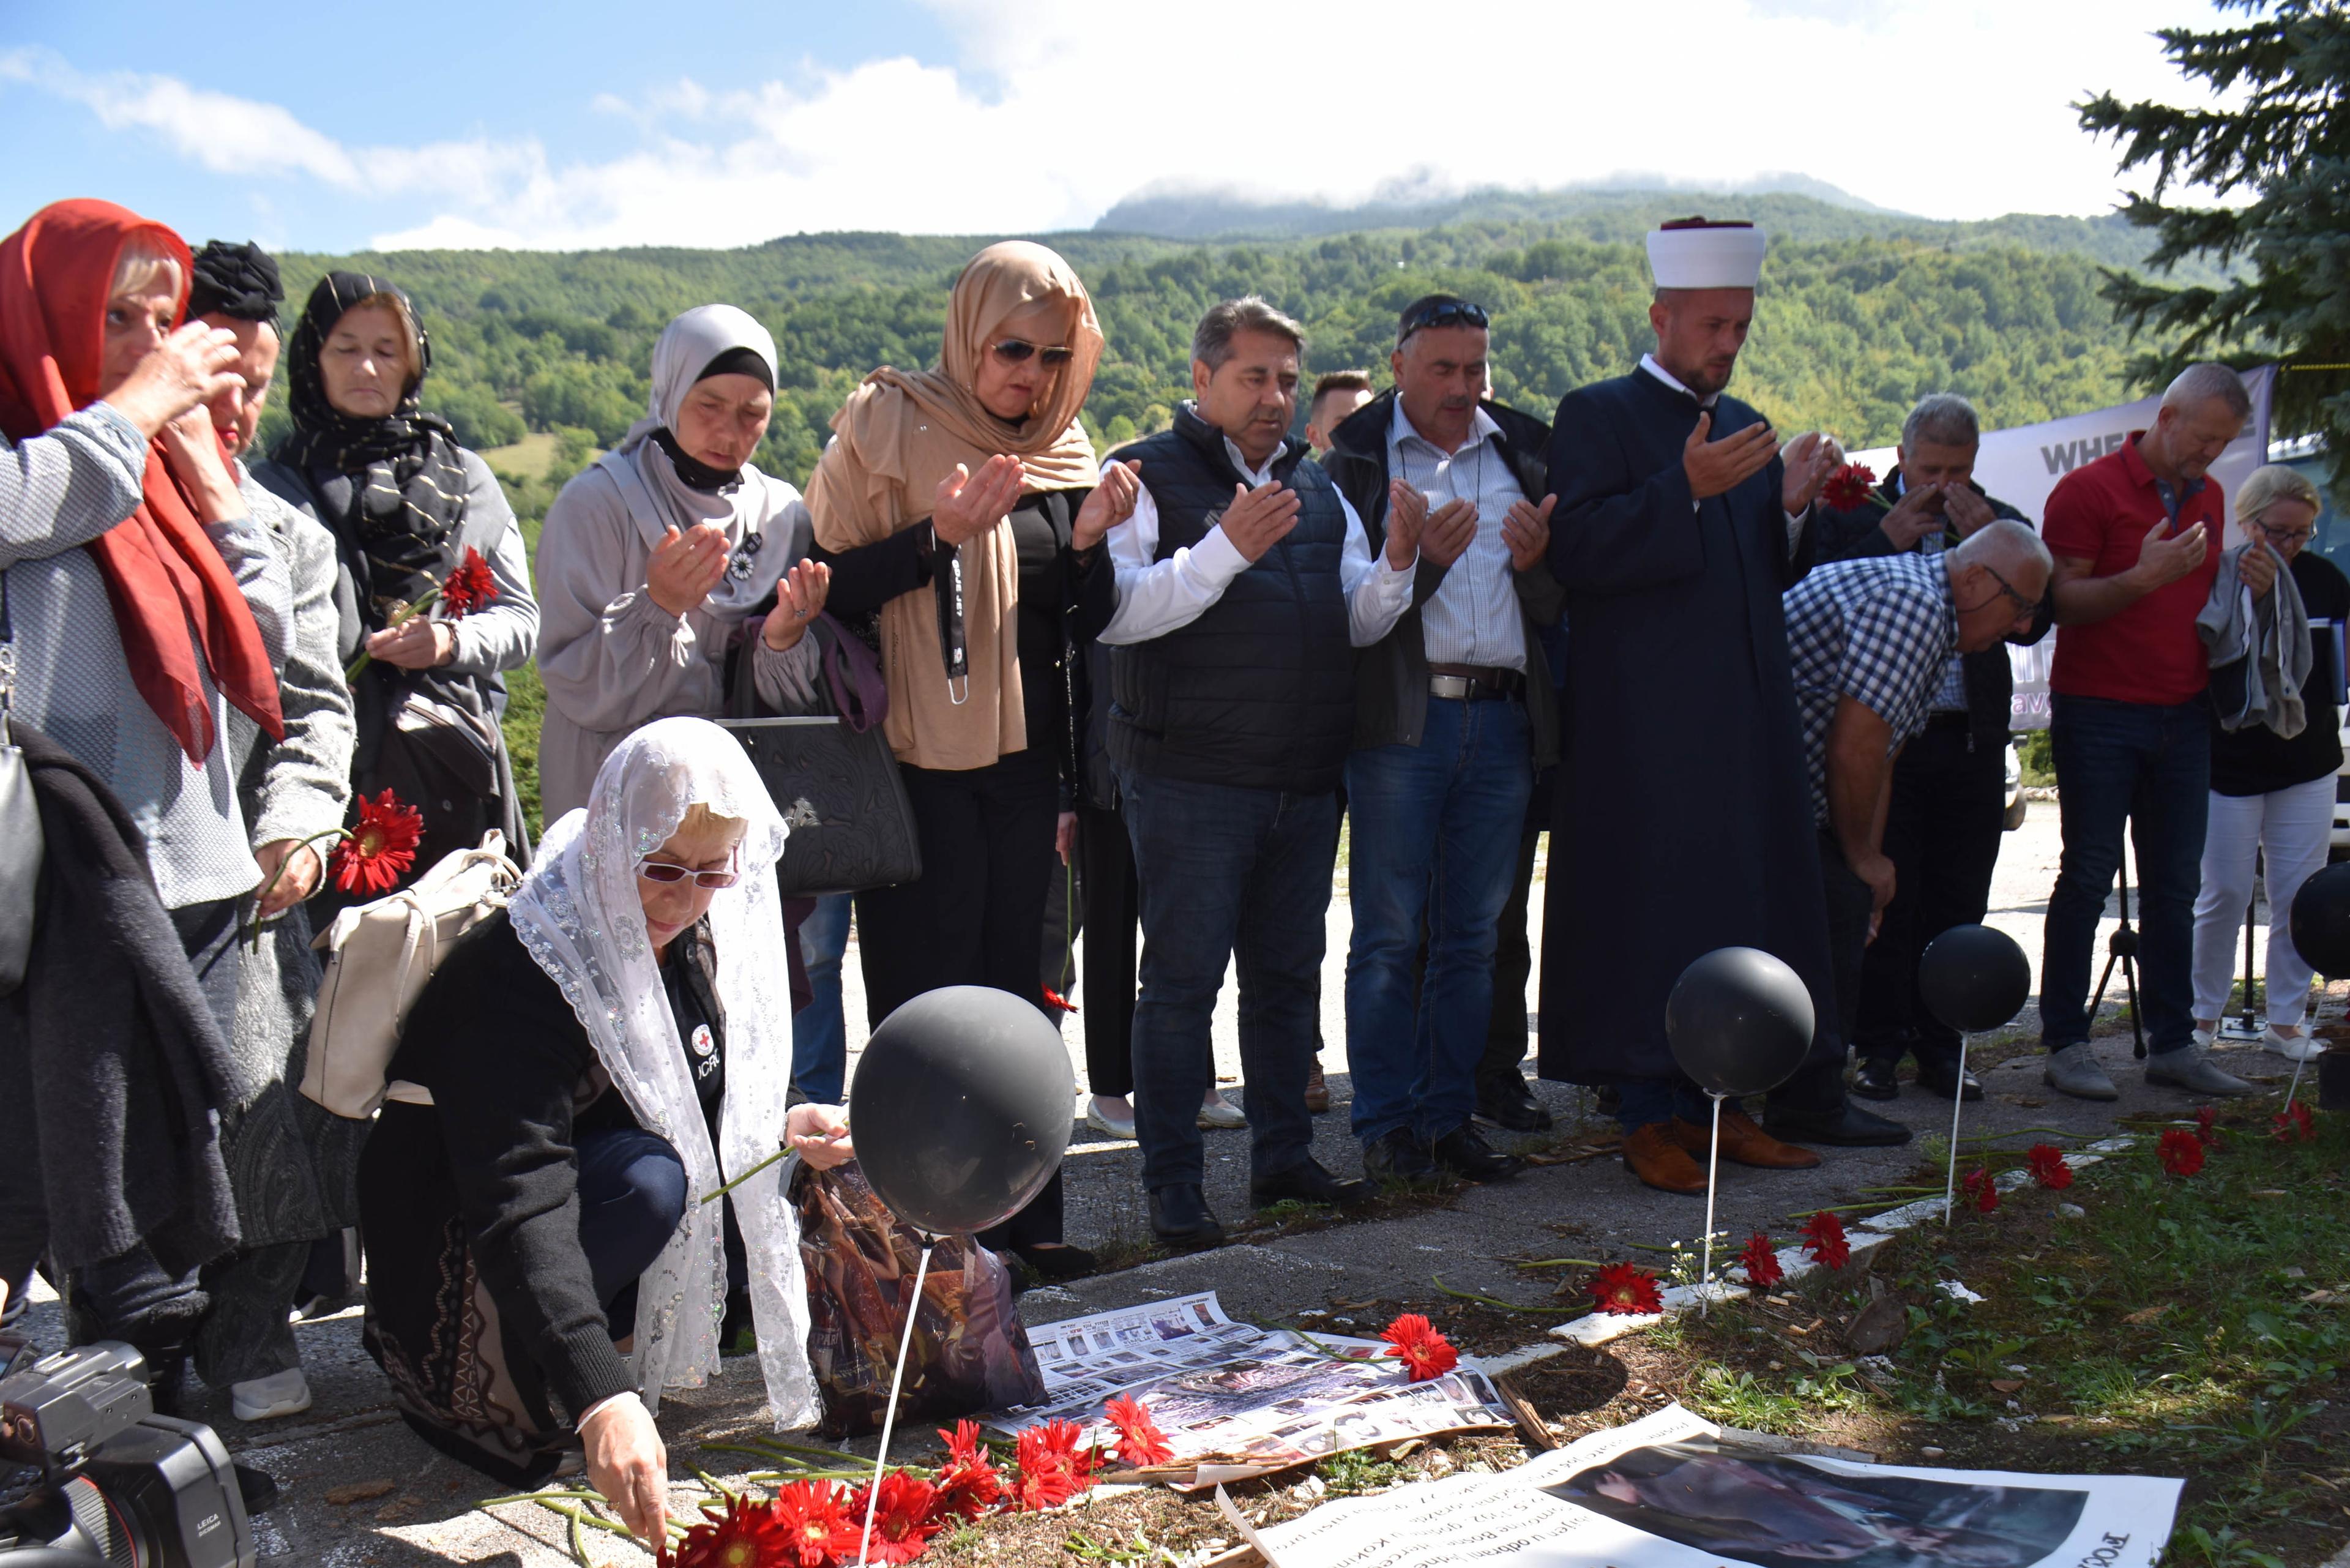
2029	607
1446	313
2284	536
1013	351
665	872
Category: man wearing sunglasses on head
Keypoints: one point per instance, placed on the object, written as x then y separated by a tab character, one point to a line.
1871	639
1943	825
1245	582
1453	713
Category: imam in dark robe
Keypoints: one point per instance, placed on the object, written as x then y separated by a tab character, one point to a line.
1683	818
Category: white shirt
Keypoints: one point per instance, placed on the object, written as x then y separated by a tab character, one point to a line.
1472	618
1649	363
1156	597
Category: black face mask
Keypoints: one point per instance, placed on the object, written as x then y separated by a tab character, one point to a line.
697	474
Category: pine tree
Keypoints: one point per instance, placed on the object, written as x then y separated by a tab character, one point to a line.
2281	152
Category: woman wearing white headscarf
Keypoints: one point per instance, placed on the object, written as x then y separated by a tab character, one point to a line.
653	559
613	1045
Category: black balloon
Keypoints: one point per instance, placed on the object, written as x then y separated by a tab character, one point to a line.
1738	1021
961	1110
2321	921
1973	978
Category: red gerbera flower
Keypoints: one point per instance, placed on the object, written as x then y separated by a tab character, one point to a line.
1825	1239
2296	1123
1140	1440
1420	1347
813	1525
470	587
2206	1131
2046	1162
1980	1191
904	1521
1761	1263
380	848
744	1534
1055	999
1053	1469
2181	1151
968	1482
1848	488
1622	1288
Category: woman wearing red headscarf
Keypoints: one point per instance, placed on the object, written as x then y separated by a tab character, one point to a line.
141	601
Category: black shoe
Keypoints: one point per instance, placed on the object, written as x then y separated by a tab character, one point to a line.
737	1335
257	1488
1936	1081
1396	1157
1056	1263
1306	1183
1464	1152
1876	1081
1512	1106
1844	1127
1179	1216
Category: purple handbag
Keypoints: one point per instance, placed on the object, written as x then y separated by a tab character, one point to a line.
831	773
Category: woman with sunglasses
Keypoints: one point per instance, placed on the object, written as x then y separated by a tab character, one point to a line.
965	502
581	1072
2272	794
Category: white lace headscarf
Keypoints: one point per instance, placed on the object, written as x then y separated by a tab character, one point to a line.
579	917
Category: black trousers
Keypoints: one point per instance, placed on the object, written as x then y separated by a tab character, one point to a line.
1113	909
1818	1085
971	917
1942	834
1504	1064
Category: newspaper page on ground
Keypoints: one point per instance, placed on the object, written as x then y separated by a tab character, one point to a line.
1665	1492
1235	1399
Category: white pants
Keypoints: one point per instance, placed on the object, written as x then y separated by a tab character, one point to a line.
2291	828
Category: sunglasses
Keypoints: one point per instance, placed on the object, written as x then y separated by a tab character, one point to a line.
1451	313
664	872
1013	351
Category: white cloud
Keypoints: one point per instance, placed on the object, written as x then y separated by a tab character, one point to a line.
1058	108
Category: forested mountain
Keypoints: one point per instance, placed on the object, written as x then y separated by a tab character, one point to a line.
1860	312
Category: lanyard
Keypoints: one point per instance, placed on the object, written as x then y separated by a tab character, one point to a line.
946	583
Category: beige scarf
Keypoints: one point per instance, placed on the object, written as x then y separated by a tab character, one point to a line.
895	438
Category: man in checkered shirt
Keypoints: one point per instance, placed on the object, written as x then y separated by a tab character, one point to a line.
1869	638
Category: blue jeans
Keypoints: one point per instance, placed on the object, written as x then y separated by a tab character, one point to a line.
1436	839
1650	1101
2151	767
1226	873
631	1197
820	1033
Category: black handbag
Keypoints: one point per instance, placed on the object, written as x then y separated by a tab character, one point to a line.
831	773
20	825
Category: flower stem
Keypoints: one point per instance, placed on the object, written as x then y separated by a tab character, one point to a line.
746	1176
262	897
1438	1280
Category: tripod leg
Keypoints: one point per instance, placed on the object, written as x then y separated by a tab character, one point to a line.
2137	1014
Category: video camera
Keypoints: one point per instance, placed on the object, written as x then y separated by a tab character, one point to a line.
121	1486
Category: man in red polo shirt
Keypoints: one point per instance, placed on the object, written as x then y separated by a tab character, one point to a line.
2137	540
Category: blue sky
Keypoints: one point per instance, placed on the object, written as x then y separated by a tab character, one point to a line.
724	122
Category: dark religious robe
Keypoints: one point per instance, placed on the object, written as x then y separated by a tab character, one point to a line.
1683	815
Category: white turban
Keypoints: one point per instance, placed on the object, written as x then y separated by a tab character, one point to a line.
1693	254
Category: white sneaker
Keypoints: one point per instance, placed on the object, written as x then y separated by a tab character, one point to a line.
2205	1038
1215	1111
1107	1124
267	1398
2293	1047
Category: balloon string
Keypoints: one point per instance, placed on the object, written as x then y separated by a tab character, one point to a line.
1958	1098
1713	1174
889	1415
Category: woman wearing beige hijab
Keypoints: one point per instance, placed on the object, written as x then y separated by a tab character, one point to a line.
970	491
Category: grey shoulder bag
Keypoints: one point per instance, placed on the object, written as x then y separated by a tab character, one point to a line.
20	823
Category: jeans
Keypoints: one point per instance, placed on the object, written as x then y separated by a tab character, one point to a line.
1502	1071
1436	837
631	1197
819	1032
1646	1102
1226	873
2151	767
1942	834
2288	828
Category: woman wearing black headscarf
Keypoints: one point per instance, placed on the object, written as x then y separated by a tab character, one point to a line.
408	507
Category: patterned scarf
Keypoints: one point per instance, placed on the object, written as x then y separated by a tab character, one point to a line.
394	486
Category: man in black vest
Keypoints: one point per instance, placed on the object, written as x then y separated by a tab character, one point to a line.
1454	713
1943	828
1245	582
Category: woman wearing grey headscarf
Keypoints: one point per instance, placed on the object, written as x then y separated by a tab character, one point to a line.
652	560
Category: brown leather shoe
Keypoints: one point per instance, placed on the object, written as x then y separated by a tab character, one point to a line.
1317	1093
1743	1143
1650	1154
